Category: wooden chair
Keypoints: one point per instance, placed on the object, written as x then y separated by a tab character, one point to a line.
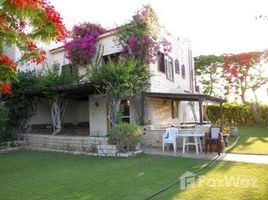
214	137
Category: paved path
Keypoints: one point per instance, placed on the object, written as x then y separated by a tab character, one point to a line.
249	158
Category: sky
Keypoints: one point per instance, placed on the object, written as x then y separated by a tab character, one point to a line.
213	26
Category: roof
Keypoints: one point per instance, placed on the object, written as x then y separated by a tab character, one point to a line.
184	96
81	89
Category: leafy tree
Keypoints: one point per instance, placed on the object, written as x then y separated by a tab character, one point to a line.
119	80
18	106
243	73
23	23
208	68
47	81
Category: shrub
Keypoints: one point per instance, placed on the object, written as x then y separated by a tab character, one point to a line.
125	136
3	115
7	134
235	114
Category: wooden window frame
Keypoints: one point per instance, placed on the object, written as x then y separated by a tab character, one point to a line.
183	71
177	66
161	62
169	68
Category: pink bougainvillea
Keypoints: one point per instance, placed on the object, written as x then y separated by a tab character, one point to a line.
141	39
81	48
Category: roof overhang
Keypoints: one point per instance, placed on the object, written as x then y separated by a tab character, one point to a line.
184	96
76	90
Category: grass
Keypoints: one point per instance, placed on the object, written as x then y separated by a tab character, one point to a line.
250	182
252	140
42	175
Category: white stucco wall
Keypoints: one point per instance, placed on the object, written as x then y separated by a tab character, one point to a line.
159	82
98	121
76	111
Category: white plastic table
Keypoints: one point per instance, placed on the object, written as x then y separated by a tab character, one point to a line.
186	134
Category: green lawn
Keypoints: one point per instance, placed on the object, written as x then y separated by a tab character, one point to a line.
42	175
251	140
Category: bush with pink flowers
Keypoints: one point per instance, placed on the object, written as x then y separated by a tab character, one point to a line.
82	48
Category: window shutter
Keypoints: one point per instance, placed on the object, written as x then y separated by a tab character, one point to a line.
183	71
177	66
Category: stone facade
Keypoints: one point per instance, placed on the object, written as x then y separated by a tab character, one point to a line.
95	146
67	143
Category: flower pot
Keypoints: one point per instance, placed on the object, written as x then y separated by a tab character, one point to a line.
234	131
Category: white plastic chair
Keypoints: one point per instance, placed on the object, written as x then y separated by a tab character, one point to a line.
170	138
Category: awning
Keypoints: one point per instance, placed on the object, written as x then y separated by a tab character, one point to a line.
81	89
184	96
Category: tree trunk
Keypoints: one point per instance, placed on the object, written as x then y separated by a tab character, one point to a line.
56	118
255	113
137	108
114	103
254	109
57	113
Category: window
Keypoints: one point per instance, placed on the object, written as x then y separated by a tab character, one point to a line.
114	57
70	68
175	109
161	62
124	108
183	71
177	66
169	69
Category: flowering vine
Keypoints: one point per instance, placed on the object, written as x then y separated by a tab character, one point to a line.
82	47
23	23
141	37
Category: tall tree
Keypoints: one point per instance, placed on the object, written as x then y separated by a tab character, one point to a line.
243	72
58	101
119	80
23	23
208	69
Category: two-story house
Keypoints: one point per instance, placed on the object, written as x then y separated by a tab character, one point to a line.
170	99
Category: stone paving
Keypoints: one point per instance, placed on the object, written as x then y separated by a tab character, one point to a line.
248	158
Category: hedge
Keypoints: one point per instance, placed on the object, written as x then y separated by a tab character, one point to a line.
235	114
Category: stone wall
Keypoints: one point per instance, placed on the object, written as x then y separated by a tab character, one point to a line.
153	138
95	146
67	143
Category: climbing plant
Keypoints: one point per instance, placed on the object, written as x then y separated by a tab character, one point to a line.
143	37
82	47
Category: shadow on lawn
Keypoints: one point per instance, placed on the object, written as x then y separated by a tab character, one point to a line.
251	140
207	183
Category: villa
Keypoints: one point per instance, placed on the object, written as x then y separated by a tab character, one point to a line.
172	97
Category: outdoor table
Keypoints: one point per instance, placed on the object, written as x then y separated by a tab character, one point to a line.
186	134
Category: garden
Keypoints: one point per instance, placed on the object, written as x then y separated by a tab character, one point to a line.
62	176
26	174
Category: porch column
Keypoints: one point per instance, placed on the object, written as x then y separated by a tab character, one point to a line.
200	101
